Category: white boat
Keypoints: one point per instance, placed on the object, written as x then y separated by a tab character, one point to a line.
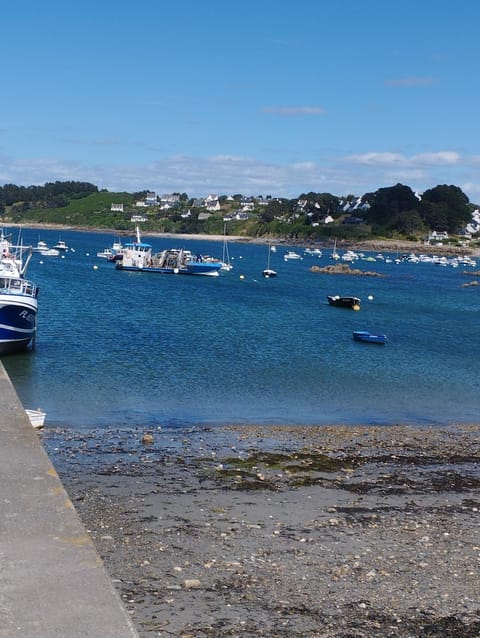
269	272
106	253
291	254
226	264
334	254
41	245
313	252
349	255
18	298
50	252
61	245
112	254
37	417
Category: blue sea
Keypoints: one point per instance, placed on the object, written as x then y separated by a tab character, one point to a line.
135	349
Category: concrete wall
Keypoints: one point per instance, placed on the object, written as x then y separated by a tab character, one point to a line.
52	581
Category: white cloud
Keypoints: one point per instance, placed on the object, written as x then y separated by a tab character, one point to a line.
227	174
386	159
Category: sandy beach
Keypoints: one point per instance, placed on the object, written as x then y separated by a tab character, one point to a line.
284	531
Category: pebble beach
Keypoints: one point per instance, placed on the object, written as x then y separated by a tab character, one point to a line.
341	531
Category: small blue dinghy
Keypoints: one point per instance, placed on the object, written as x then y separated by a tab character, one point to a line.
368	337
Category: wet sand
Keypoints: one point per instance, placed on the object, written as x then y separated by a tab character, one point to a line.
284	531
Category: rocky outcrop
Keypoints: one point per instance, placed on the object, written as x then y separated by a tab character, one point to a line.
344	269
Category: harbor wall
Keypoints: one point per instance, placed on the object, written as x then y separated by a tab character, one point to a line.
52	581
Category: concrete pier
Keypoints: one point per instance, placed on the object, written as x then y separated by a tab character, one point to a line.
52	581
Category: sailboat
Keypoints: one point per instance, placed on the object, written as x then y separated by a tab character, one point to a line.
226	265
334	254
268	272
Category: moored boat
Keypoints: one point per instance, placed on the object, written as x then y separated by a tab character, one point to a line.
269	272
61	245
368	337
291	254
36	417
344	302
18	298
138	256
106	253
41	245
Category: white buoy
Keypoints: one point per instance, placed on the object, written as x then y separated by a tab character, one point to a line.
370	297
95	267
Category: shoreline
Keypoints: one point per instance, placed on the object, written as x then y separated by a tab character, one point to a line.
371	245
326	531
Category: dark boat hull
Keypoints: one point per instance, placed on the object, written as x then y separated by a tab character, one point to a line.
344	302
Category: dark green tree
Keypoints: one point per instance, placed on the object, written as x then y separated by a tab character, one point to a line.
387	203
445	208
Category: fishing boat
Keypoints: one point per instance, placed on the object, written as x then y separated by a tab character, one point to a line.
269	272
344	302
18	298
368	337
36	417
138	256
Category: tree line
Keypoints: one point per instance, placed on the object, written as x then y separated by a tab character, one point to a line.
388	211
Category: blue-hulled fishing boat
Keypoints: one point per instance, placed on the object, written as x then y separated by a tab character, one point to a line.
138	256
18	298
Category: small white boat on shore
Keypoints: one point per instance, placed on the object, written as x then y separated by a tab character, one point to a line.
37	417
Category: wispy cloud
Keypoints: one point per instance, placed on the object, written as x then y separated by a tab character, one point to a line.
440	158
289	111
410	81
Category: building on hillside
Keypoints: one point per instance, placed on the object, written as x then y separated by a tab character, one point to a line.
151	199
212	205
116	208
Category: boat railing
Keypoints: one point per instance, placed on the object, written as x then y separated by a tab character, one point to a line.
18	287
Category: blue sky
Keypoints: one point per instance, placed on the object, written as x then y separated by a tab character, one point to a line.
254	97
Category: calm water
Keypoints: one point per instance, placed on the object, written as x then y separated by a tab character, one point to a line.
117	348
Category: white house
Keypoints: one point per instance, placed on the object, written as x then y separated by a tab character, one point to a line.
116	208
212	204
151	199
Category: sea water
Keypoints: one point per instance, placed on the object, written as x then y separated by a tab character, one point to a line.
120	348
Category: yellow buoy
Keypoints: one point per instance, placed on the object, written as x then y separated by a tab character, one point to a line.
356	307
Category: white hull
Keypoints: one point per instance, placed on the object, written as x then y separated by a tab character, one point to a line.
37	417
